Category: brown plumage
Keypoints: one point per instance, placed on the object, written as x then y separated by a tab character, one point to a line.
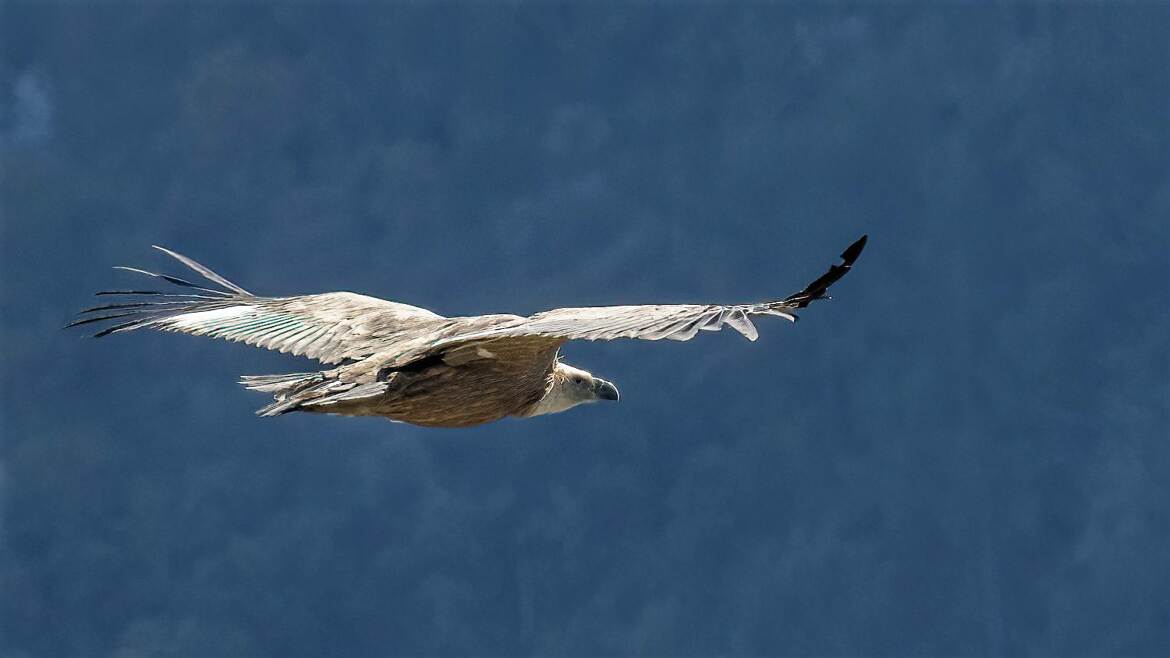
411	365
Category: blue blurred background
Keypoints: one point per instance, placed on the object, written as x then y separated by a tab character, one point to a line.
964	454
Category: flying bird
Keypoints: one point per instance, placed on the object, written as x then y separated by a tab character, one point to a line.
411	365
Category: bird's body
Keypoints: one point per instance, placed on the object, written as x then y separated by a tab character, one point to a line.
436	393
411	365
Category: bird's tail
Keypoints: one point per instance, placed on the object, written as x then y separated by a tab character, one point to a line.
277	384
288	390
308	391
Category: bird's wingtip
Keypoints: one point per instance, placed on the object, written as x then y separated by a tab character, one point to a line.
854	250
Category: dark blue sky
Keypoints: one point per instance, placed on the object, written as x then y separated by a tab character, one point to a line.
964	454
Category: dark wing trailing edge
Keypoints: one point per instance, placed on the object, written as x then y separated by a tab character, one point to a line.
655	322
329	327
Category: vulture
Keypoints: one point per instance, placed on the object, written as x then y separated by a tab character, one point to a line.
411	365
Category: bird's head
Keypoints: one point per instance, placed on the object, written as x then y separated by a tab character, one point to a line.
571	387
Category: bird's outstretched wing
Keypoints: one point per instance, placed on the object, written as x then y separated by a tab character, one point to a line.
652	322
331	327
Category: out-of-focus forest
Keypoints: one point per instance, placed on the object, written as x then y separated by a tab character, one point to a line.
965	453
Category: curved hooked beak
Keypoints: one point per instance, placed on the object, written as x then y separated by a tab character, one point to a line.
604	390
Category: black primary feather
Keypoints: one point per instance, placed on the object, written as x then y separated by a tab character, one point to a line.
817	289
